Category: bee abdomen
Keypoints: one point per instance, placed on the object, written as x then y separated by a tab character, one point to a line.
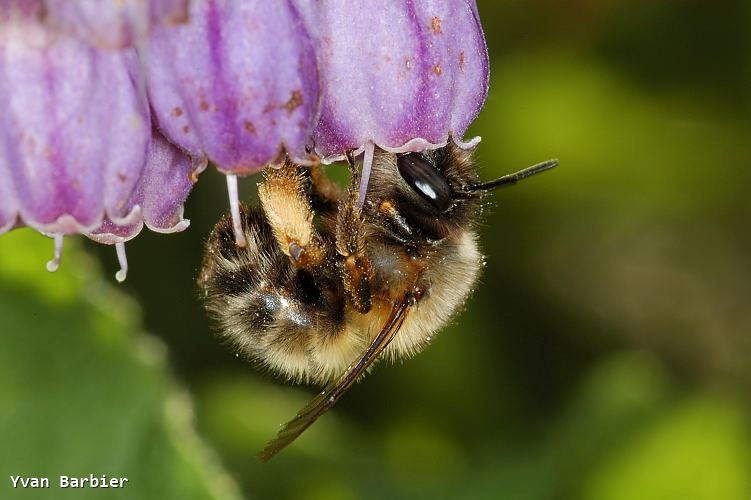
283	318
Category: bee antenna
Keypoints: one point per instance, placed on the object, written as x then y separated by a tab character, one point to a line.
510	179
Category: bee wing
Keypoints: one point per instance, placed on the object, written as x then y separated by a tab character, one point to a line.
335	389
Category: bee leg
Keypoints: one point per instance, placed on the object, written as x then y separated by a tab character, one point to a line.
354	175
356	268
289	212
324	193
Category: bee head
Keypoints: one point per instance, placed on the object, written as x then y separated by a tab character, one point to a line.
425	189
436	192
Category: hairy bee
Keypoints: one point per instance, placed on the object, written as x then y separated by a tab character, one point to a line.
324	286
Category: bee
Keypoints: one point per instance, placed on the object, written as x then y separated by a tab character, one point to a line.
325	286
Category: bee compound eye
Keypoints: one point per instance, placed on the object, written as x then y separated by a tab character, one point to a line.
422	176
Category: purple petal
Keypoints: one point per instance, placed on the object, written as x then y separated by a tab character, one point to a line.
169	177
403	75
237	84
158	198
113	24
19	10
73	131
8	202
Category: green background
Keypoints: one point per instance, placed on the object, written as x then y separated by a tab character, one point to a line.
605	355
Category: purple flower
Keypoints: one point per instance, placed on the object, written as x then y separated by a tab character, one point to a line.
76	144
238	84
402	75
100	138
157	199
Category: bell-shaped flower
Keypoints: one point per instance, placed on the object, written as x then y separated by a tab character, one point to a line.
400	75
243	83
237	84
76	145
157	199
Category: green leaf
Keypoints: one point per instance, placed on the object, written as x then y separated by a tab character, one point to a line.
83	392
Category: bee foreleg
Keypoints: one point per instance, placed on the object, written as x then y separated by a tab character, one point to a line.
356	267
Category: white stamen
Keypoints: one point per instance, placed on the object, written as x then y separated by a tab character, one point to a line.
123	259
234	208
54	264
367	162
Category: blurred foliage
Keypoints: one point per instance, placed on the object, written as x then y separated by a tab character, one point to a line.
603	357
81	392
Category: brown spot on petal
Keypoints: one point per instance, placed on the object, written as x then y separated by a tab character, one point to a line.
180	16
42	13
203	105
268	108
122	177
435	25
186	129
408	62
178	111
249	127
295	101
437	69
461	61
